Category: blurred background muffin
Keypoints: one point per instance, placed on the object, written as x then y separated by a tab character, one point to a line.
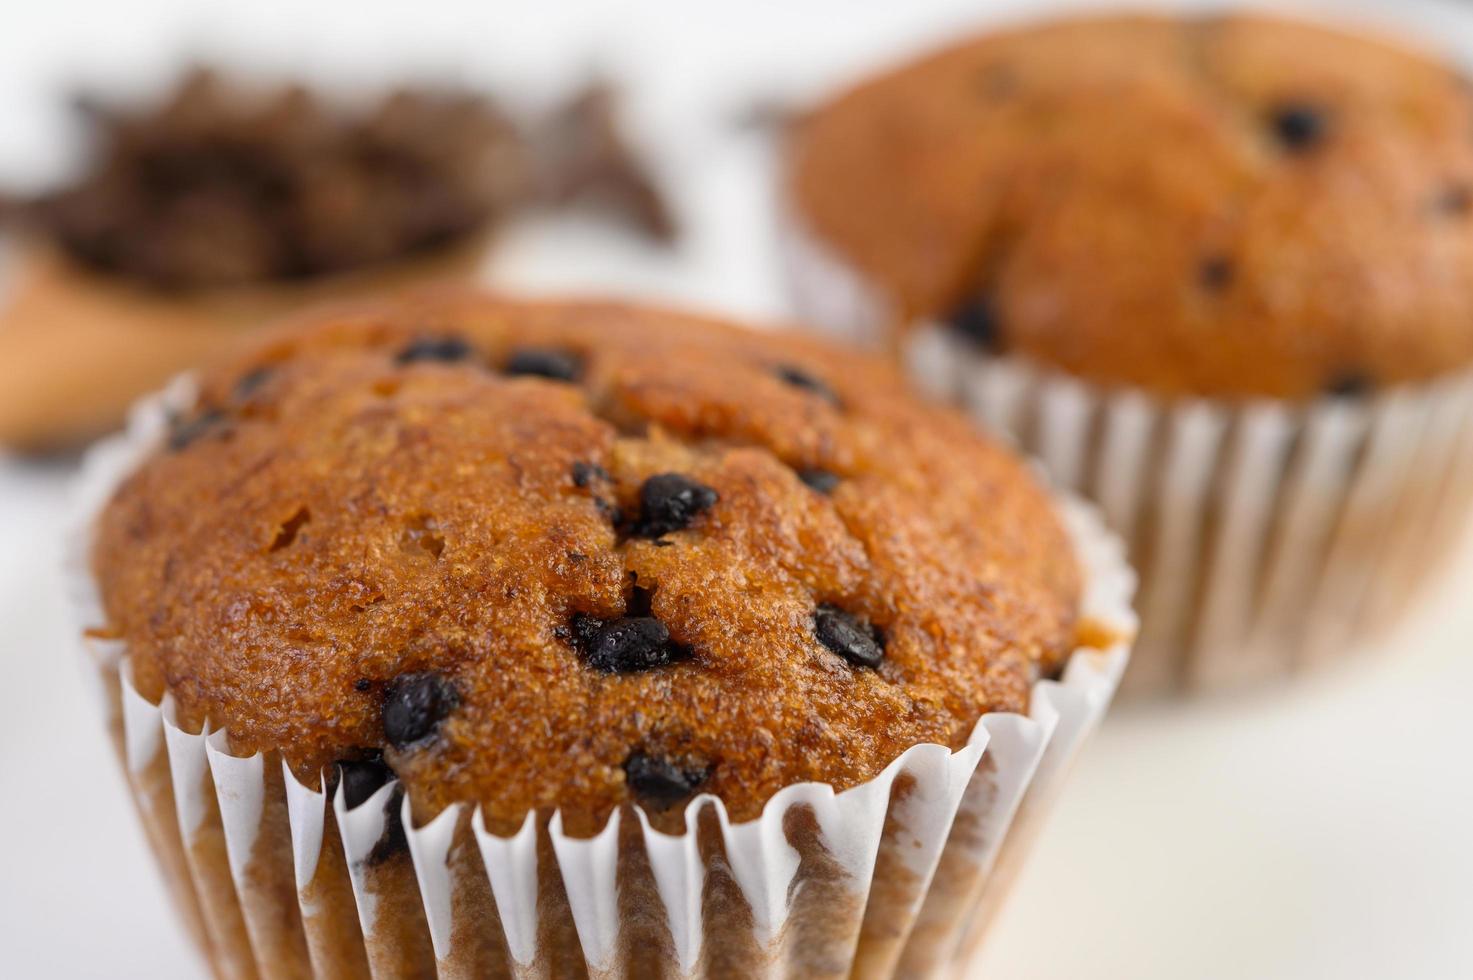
228	204
1217	271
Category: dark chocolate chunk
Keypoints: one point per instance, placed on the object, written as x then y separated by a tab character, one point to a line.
625	645
1350	384
799	378
1298	126
669	502
361	778
540	362
1454	200
222	185
250	383
584	630
414	707
977	321
442	349
1215	272
851	638
998	82
587	474
658	783
586	159
821	480
186	431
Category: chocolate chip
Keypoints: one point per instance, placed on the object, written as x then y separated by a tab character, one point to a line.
1298	125
799	378
1350	384
443	349
538	362
587	474
250	383
658	783
1455	200
856	641
414	707
625	645
669	502
1215	272
363	685
998	82
186	431
584	630
821	480
977	321
361	778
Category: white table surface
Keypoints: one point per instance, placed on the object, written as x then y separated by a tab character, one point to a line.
1320	830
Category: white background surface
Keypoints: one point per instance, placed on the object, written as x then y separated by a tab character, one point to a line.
1322	830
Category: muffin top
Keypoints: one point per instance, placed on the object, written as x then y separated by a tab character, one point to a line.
1228	206
537	555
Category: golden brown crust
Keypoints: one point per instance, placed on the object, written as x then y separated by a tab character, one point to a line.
1123	191
349	519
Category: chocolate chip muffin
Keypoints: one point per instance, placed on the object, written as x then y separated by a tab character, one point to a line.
538	555
1213	271
1225	206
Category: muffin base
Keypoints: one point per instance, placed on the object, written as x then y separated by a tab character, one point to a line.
894	877
1269	536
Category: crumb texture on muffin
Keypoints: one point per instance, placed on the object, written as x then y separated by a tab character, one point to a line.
1230	205
533	555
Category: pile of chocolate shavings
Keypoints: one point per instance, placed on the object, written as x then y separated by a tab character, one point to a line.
586	161
221	185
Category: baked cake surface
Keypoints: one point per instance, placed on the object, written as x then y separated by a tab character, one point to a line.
537	555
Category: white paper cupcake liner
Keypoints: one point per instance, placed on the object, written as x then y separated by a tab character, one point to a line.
1268	535
895	877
